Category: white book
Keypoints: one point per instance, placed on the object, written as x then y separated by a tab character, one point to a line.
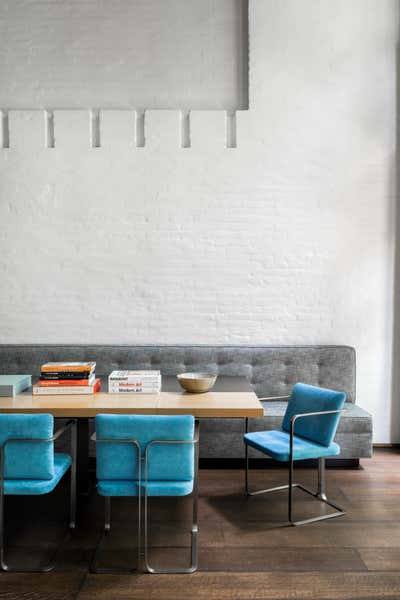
135	383
126	390
119	375
130	386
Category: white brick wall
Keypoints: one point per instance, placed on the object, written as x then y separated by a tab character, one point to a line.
288	238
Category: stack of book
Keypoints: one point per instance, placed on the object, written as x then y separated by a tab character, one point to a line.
67	378
134	382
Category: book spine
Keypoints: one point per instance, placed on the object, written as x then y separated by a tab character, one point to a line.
133	391
122	374
65	382
136	382
133	378
66	368
38	390
65	375
123	384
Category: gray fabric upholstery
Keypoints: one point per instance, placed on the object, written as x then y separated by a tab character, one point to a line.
353	420
271	370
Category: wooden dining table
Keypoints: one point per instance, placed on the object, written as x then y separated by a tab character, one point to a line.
231	397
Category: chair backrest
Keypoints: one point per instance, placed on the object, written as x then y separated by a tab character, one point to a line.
167	462
307	398
27	460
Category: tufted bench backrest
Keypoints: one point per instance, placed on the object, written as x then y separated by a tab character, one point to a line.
272	370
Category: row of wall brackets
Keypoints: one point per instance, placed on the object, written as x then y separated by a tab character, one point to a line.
97	128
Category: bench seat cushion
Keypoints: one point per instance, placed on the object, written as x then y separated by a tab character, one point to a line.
354	419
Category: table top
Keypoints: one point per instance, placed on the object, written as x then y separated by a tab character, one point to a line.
230	397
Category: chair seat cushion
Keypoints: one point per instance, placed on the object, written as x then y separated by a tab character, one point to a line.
35	487
154	488
276	444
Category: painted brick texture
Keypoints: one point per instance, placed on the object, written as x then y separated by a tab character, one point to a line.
288	238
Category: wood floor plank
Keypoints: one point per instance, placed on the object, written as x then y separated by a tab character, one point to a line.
328	534
246	549
41	586
381	559
243	560
281	559
243	586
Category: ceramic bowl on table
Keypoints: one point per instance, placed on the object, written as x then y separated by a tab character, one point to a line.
197	383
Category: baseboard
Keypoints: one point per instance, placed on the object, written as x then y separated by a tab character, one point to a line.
395	446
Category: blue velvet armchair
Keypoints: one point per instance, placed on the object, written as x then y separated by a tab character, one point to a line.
29	466
145	456
308	430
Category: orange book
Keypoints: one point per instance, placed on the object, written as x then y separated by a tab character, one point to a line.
56	382
68	366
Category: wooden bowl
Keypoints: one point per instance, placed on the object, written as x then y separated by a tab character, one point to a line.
197	383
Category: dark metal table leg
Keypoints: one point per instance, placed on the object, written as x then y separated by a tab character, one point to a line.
83	457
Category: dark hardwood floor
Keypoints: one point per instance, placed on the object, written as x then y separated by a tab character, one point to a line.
246	551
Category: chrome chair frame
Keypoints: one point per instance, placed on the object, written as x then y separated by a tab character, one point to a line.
107	524
195	527
107	514
71	424
320	494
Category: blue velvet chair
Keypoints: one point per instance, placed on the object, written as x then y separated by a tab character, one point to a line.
30	467
308	430
145	456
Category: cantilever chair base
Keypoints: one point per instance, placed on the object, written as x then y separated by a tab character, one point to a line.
195	528
193	550
320	496
72	505
48	567
107	528
142	565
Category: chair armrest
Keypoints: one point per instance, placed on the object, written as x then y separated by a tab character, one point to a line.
194	442
71	424
53	438
310	414
314	414
94	438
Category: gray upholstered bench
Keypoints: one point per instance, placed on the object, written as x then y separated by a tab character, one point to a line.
271	370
